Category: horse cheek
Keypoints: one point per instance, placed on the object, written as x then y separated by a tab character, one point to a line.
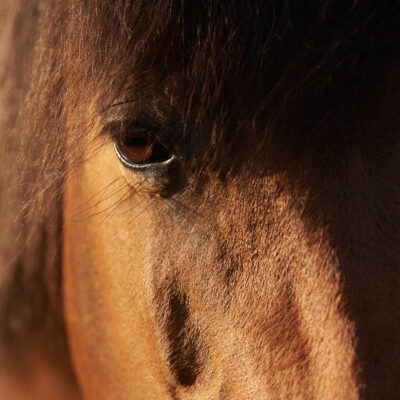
109	329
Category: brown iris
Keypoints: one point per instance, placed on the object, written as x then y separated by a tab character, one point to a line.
142	148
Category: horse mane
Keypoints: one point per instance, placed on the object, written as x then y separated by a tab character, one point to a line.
221	63
30	278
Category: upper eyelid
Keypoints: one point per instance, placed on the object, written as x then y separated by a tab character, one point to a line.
167	130
117	128
141	113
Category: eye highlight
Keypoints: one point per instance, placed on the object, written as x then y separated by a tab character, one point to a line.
140	148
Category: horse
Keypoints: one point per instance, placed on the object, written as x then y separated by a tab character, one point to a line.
200	199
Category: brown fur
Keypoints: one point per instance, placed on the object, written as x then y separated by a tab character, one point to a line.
271	271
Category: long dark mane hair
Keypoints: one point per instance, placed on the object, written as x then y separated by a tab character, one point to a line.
267	62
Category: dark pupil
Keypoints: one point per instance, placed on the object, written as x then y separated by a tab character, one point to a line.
137	141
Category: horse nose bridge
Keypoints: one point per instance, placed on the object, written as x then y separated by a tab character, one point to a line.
283	272
253	266
181	340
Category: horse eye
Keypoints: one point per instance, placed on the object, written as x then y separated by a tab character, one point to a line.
154	168
139	148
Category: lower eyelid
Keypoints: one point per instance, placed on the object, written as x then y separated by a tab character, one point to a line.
150	167
154	178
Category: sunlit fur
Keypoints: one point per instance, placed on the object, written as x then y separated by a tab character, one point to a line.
272	270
